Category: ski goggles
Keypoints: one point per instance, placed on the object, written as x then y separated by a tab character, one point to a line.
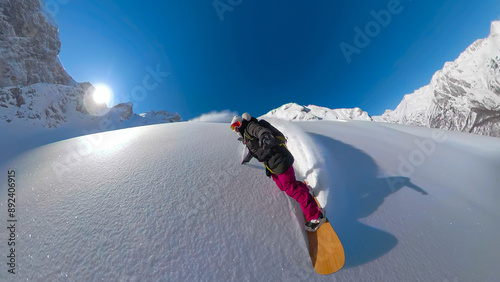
235	126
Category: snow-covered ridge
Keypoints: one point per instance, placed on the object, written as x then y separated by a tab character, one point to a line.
54	105
295	112
463	96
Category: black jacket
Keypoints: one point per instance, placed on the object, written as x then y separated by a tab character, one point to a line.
277	159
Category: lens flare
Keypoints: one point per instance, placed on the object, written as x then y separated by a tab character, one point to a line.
102	94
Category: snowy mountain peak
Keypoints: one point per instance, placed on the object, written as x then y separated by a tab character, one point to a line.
54	105
36	91
495	28
293	111
463	96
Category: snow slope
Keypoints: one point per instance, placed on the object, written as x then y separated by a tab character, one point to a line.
171	202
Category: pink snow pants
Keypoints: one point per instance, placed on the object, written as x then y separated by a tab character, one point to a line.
298	191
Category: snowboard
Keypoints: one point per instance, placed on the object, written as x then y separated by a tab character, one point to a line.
325	249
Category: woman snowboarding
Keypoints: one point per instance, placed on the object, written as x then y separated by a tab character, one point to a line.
267	145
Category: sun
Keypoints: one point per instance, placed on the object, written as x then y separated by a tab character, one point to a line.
102	94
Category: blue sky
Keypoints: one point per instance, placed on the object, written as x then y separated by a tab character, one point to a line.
193	57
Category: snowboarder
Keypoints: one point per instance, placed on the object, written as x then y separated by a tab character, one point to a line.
267	145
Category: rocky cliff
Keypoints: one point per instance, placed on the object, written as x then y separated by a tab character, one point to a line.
29	46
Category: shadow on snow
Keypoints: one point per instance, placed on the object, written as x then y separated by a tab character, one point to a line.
356	192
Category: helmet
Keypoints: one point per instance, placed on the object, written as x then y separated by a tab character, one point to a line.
247	116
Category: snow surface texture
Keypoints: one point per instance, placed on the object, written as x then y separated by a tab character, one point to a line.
171	202
463	96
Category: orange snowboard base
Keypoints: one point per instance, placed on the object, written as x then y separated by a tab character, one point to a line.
325	249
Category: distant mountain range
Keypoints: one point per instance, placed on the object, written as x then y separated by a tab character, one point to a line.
463	96
292	111
36	90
